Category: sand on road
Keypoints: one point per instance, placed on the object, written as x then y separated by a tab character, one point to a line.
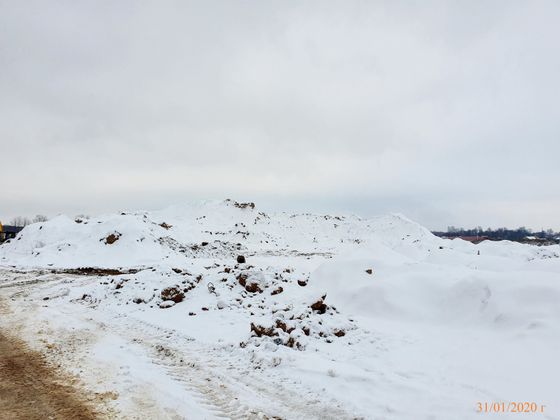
31	389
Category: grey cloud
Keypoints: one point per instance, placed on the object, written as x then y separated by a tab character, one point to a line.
444	111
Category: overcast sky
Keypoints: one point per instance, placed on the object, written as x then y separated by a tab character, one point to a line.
444	111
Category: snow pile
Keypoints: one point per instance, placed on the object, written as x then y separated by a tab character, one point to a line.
348	306
203	230
453	296
112	241
185	260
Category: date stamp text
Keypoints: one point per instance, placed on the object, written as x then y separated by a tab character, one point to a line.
510	407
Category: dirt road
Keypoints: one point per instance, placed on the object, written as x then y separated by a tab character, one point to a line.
31	389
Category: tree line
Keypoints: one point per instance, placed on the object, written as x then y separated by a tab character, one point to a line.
21	221
500	234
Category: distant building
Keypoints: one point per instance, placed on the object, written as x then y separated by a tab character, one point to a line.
8	232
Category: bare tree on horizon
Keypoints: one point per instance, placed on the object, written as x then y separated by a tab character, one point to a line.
40	218
20	221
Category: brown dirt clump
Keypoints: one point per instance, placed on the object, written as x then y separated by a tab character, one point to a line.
292	343
319	306
282	325
112	238
369	271
253	288
277	291
250	287
240	259
259	330
31	389
172	293
165	225
242	279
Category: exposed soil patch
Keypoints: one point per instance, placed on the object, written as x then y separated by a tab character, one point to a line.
95	271
30	389
259	330
253	288
172	293
319	306
282	325
277	291
112	238
242	279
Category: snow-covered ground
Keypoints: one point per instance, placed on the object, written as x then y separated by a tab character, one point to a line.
328	317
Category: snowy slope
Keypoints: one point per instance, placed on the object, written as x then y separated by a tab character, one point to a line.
372	318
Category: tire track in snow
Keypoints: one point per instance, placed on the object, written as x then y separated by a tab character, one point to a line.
181	358
185	367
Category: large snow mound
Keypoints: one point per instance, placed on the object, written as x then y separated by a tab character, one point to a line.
345	306
388	267
207	229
